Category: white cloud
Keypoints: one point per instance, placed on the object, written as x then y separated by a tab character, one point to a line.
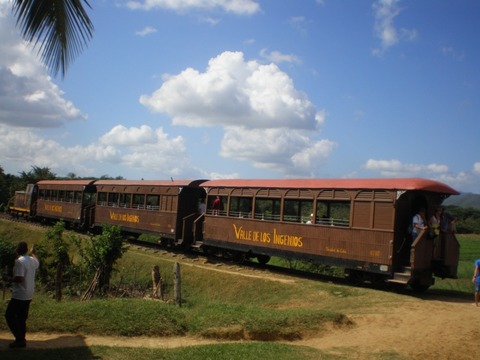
240	7
396	168
265	119
120	135
28	97
283	150
233	91
476	168
150	151
146	31
277	57
385	12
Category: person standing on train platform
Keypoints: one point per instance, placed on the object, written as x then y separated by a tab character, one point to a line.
434	225
202	208
216	205
23	287
418	223
476	280
448	223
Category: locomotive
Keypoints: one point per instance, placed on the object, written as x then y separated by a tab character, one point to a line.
360	225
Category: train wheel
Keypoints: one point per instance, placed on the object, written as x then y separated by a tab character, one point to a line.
263	259
418	287
238	257
354	277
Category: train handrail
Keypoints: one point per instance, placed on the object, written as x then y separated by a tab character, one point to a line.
424	263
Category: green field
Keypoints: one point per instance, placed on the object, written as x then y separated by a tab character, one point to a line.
220	301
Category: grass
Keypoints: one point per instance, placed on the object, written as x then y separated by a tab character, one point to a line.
251	350
219	302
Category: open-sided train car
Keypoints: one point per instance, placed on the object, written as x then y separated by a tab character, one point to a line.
358	224
166	209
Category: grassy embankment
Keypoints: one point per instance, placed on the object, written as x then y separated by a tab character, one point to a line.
221	302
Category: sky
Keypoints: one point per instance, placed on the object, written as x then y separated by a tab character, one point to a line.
208	89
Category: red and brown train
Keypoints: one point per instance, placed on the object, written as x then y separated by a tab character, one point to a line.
358	224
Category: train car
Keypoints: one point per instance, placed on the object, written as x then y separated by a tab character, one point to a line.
358	224
71	201
166	209
24	202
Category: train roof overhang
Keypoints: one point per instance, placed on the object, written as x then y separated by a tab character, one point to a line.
402	184
166	183
64	184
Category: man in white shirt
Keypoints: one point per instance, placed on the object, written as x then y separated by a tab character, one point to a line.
23	287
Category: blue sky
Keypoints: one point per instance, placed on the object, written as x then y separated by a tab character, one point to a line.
252	89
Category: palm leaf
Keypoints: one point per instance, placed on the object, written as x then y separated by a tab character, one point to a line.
61	28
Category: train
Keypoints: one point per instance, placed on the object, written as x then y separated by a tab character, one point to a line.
360	225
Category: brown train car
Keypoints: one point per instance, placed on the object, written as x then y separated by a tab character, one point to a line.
164	208
23	202
67	200
358	224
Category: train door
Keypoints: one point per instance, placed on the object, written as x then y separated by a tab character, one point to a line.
187	213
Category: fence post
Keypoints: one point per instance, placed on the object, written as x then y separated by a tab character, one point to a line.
177	283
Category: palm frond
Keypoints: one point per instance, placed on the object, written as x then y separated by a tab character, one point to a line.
61	29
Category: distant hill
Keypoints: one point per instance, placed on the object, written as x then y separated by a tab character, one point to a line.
464	200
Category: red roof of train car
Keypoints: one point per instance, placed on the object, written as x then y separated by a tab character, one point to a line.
145	182
381	183
65	182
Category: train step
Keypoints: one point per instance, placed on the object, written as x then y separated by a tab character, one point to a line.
402	277
197	245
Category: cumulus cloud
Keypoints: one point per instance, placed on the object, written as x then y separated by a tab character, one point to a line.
233	91
28	97
290	152
385	12
151	151
266	120
240	7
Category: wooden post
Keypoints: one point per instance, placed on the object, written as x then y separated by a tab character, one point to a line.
177	282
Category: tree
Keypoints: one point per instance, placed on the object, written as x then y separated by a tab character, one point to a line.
100	255
37	173
60	255
61	28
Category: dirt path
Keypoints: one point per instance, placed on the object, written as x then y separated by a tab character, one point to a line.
419	329
431	329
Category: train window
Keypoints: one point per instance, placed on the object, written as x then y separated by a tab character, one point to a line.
113	199
78	197
102	199
216	205
297	210
240	207
333	213
267	209
138	201
70	196
153	202
41	194
125	200
62	196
